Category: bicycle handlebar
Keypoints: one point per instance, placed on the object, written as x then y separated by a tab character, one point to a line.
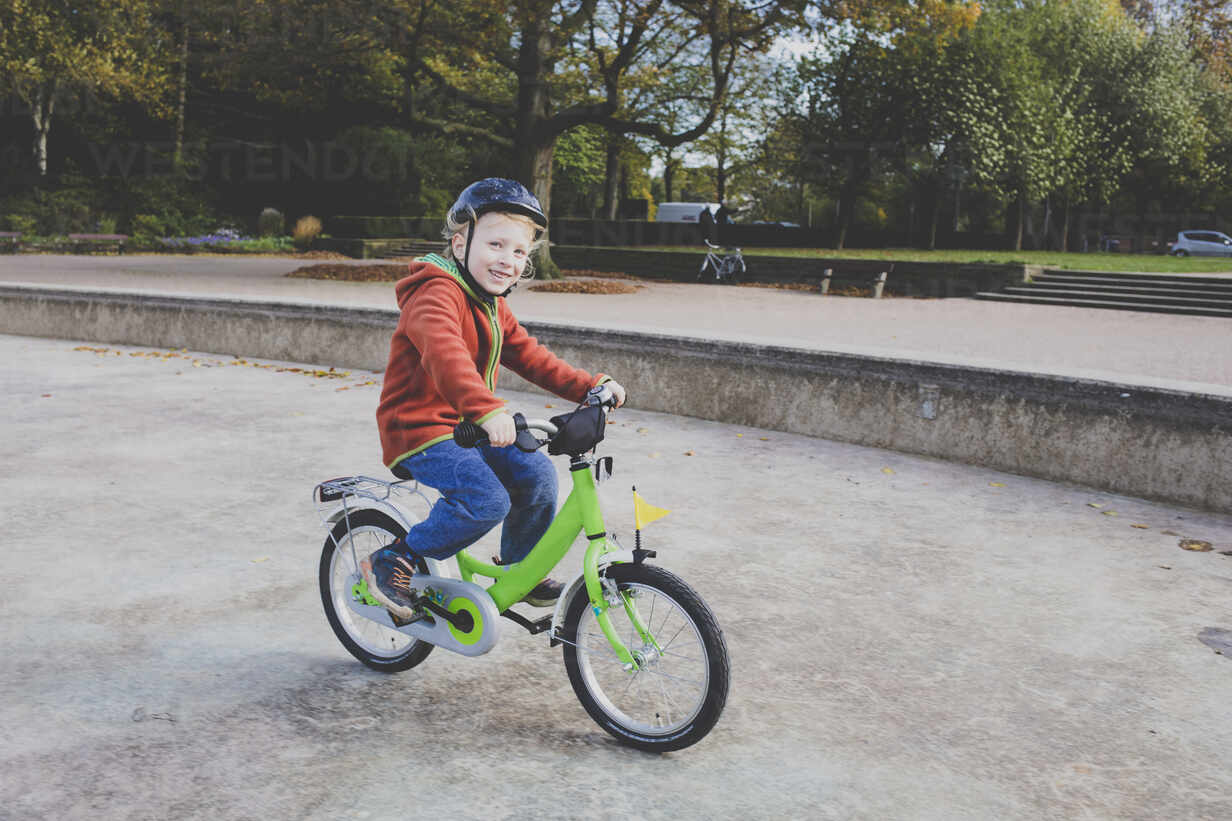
467	434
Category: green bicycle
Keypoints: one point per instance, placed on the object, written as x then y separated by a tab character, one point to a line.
643	652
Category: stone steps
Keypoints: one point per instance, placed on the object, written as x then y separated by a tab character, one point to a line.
414	248
1155	293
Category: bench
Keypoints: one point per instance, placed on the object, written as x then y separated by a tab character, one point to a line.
10	241
98	242
860	272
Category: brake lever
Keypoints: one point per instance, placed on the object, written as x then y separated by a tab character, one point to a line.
526	440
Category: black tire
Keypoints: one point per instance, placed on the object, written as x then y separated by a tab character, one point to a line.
1182	253
369	529
708	672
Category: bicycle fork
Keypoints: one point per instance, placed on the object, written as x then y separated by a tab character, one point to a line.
603	599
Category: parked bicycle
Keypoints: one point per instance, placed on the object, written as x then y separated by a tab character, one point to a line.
728	268
643	652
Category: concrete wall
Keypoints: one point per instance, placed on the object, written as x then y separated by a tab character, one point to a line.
1131	439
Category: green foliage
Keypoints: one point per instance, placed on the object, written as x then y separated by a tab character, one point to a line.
20	223
580	156
146	225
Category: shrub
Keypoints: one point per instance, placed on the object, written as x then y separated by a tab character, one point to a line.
146	225
21	223
307	229
271	223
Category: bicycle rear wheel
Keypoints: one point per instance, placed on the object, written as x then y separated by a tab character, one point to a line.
730	270
678	694
376	645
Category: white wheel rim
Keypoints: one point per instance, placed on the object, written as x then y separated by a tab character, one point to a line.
668	692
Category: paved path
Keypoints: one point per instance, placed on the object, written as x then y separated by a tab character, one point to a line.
910	639
1117	345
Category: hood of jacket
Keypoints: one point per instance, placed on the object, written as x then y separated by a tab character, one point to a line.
435	266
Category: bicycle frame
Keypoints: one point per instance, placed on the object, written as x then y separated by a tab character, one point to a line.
580	512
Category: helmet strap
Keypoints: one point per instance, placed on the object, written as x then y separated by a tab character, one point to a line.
470	235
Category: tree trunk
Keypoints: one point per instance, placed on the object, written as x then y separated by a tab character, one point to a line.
534	163
1065	226
611	179
668	172
847	203
936	214
1020	213
532	149
183	95
44	106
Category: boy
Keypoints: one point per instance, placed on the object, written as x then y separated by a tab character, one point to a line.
455	331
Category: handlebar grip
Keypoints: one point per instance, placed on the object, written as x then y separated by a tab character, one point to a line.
467	434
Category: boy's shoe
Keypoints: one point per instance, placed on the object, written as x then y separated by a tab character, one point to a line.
388	574
544	594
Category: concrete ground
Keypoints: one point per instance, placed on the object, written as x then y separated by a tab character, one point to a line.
909	638
1184	353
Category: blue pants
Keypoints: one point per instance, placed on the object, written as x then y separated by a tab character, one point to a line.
480	488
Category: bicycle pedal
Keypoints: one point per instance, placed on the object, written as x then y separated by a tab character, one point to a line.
399	621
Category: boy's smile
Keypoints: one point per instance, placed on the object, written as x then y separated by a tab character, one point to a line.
499	251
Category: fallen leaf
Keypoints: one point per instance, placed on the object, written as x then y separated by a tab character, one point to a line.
739	435
688	453
1109	512
996	484
262	559
196	364
1141	527
1092	504
764	438
654	455
46	396
548	405
643	430
1169	533
1196	545
888	471
1164	566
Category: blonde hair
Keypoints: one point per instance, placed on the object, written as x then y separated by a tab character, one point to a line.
453	226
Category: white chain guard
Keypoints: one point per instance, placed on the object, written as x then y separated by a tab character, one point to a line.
451	594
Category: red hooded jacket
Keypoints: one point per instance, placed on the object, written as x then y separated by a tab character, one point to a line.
445	356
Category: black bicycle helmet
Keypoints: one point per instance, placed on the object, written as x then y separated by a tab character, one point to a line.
497	194
492	194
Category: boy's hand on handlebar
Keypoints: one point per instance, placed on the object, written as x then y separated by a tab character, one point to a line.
618	392
500	430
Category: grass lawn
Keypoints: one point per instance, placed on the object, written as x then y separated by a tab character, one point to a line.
1148	263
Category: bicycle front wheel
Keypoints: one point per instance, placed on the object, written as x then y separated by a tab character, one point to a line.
353	539
676	696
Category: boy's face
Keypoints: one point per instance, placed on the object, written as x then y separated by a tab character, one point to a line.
499	251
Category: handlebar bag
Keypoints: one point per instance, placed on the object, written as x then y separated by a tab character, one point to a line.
579	431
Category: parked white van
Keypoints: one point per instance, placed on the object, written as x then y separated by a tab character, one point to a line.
684	211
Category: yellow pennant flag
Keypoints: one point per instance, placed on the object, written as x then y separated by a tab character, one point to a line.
643	513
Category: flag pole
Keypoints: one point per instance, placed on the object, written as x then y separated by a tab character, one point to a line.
637	531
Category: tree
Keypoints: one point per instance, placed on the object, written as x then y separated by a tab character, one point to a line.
540	68
49	51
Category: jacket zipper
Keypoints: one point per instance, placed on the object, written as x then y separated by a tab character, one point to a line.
495	349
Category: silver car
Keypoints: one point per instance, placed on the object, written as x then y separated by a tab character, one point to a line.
1202	244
